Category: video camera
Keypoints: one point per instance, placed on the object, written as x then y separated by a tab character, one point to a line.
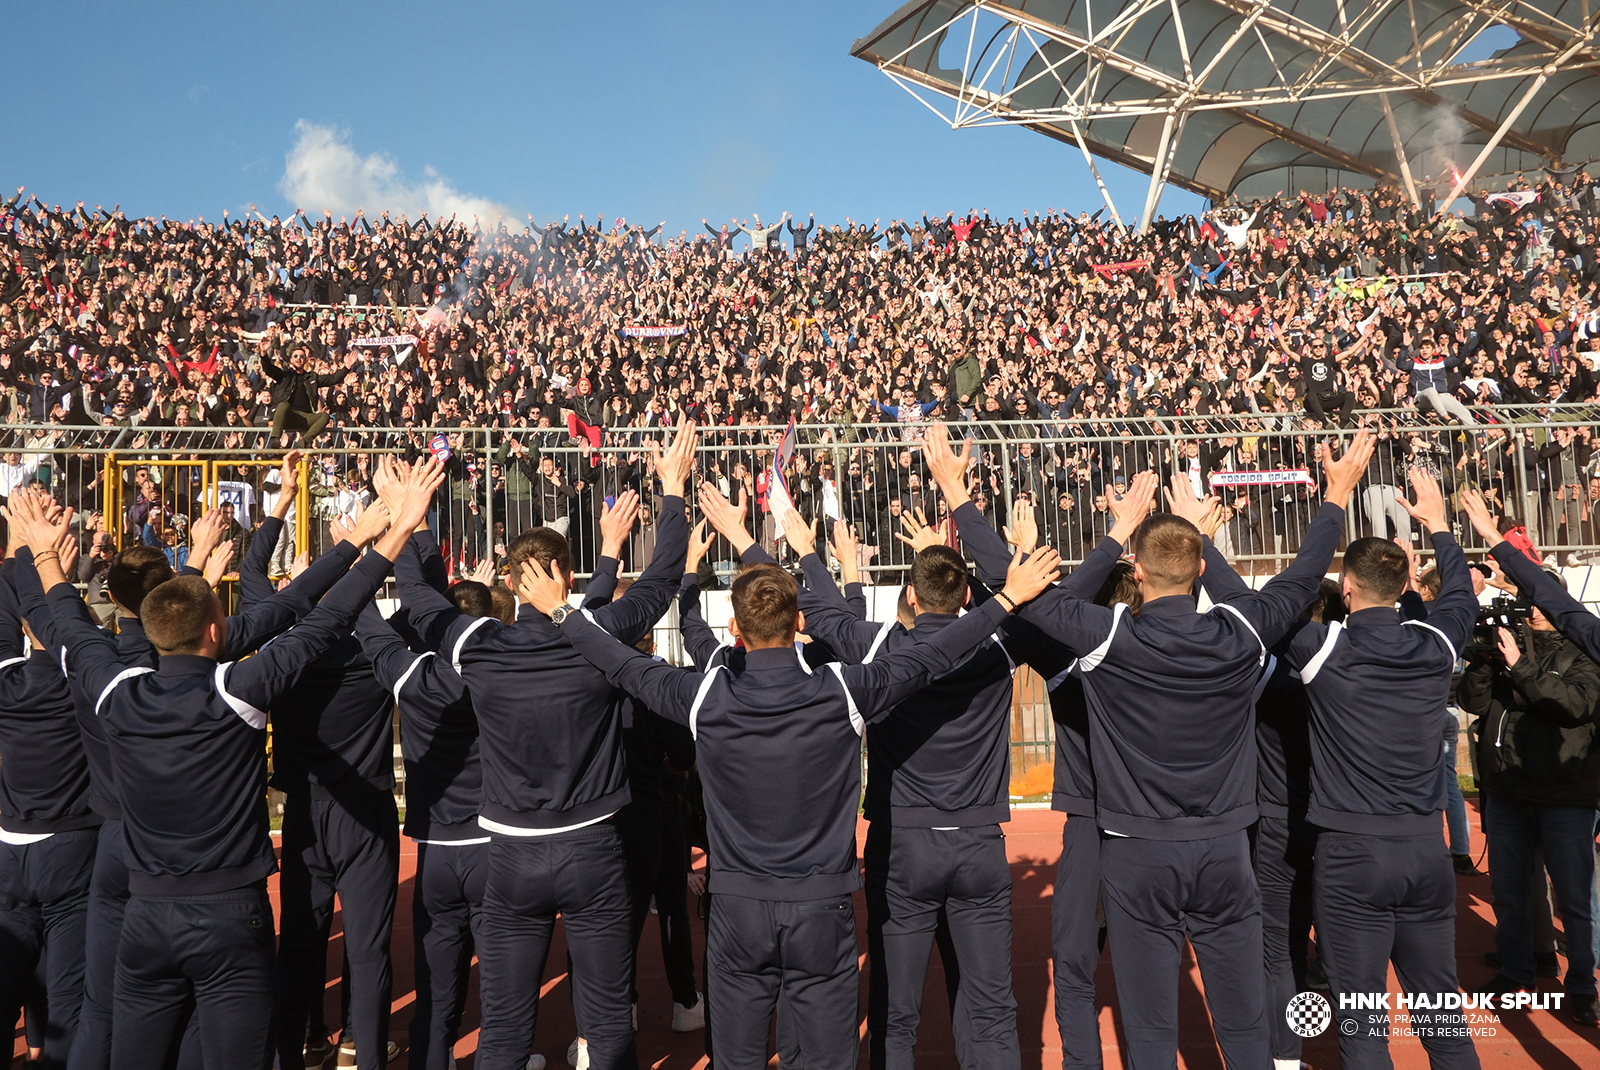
1502	612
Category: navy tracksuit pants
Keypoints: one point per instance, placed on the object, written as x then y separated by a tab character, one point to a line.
446	916
580	875
804	952
913	873
1156	892
1283	853
1075	942
215	950
1382	899
44	898
108	904
658	867
348	846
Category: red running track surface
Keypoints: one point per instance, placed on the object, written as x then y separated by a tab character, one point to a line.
1527	1039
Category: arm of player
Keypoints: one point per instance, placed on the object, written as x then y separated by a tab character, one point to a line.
877	687
698	638
632	616
663	688
255	586
1277	605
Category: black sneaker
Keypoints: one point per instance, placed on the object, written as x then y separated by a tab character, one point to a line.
1463	865
1586	1010
1545	963
1500	984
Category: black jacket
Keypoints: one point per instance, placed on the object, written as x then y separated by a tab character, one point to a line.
1537	740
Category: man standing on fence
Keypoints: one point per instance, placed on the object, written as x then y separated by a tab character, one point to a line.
295	393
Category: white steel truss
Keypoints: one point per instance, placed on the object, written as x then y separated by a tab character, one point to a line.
1075	68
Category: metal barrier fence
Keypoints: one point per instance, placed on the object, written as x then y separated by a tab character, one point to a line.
1538	465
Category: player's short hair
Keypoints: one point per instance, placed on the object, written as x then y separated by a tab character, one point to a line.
1378	567
176	613
765	601
473	598
1329	606
1169	548
543	545
505	605
1120	587
939	576
134	573
902	605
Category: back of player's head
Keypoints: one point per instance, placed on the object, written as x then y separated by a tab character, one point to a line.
134	573
902	606
939	577
1377	568
765	602
1431	584
543	545
1329	605
505	605
1121	587
176	613
1168	548
473	598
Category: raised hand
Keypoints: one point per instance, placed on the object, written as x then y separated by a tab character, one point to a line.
918	535
542	590
727	518
846	549
948	469
1131	511
205	534
616	522
1023	532
799	533
1181	500
674	464
1027	579
1428	507
700	539
484	572
216	566
1345	473
1482	521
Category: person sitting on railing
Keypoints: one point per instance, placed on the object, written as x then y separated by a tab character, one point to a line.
295	392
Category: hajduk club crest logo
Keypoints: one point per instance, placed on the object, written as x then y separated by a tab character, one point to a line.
1309	1014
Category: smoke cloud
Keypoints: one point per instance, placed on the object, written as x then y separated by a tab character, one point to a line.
322	171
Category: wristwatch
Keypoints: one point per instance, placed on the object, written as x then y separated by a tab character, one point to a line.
559	614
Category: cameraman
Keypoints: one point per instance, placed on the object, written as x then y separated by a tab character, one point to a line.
1539	758
92	567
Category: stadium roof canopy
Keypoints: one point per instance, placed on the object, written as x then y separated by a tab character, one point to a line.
1250	97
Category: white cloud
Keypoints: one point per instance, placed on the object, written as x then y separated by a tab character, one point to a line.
323	171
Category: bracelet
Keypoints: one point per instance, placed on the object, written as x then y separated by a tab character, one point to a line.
48	553
1011	607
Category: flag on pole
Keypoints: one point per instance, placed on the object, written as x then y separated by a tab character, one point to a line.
779	501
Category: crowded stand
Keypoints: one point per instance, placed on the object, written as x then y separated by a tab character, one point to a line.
1078	352
341	477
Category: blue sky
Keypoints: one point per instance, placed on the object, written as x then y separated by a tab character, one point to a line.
669	110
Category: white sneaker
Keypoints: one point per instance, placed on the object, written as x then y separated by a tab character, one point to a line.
689	1019
578	1054
535	1062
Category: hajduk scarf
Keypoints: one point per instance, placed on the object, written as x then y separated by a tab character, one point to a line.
1266	478
387	340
